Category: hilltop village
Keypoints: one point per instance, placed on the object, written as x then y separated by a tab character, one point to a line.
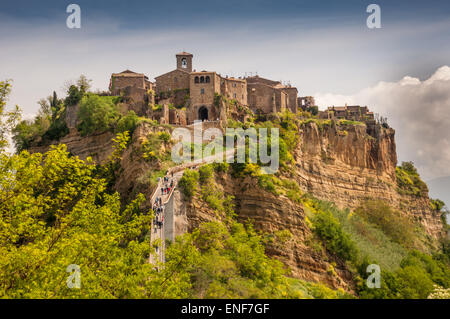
184	95
338	200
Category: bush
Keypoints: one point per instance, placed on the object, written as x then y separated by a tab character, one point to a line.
398	227
128	123
27	131
189	183
205	172
336	240
56	131
436	204
96	114
74	96
416	279
408	180
221	167
314	110
165	137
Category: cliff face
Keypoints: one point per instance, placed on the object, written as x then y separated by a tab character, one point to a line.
269	214
98	146
348	165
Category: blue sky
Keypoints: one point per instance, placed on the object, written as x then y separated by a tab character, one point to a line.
322	47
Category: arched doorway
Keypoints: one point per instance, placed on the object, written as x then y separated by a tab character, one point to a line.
203	113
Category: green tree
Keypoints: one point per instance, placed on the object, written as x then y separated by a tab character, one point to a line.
96	114
55	213
189	182
128	122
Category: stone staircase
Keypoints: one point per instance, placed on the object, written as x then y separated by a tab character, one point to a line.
159	235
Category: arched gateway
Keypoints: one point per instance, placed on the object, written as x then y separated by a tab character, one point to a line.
203	113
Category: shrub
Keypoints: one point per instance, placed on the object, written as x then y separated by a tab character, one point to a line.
436	204
408	180
189	183
56	131
205	173
221	167
398	227
128	123
96	114
336	240
74	96
314	110
165	137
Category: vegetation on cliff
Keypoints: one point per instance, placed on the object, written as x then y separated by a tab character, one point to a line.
57	210
408	180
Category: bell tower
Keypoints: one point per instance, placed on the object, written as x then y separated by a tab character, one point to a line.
184	61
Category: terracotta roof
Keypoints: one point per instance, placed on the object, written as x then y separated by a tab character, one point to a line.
184	53
128	73
176	70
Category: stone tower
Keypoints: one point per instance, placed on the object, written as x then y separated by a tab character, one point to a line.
184	61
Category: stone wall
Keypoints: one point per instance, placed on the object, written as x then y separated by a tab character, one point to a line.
261	98
121	82
177	117
174	80
292	93
235	89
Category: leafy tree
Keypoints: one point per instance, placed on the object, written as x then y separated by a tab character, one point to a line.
74	96
55	213
84	84
96	114
327	227
128	122
314	110
189	182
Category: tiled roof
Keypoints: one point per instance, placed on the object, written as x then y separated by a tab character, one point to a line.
184	53
128	73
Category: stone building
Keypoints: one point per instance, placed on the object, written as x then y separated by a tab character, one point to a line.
202	88
268	96
178	79
348	112
202	95
127	78
135	88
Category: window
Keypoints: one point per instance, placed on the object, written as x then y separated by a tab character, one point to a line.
197	79
234	95
184	63
234	85
208	79
202	91
202	79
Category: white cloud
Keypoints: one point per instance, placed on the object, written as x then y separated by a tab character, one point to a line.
420	113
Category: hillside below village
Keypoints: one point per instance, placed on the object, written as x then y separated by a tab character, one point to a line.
94	184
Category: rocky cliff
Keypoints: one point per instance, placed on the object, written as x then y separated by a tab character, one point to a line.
351	163
344	165
269	214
